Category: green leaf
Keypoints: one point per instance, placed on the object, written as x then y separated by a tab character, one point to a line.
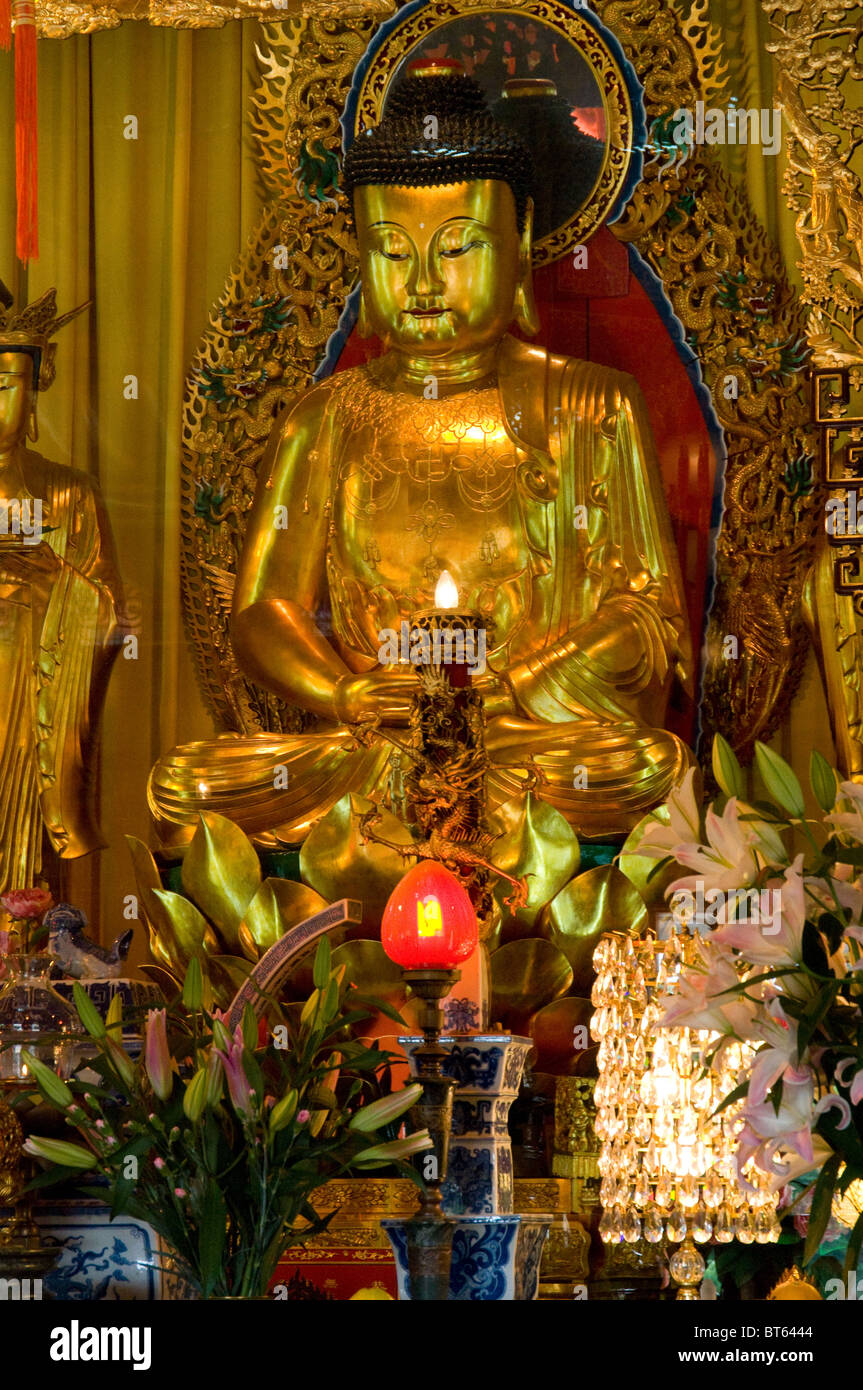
780	780
388	1010
193	985
823	779
211	1237
731	1099
726	768
813	1016
323	964
855	1240
87	1012
819	1213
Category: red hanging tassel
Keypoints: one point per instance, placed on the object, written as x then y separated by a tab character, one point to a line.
5	24
26	129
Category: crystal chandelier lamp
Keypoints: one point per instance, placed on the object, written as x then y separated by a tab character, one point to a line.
666	1158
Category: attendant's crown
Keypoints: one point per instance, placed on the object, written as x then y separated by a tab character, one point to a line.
31	330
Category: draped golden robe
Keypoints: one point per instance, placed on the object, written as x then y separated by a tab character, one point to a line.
593	634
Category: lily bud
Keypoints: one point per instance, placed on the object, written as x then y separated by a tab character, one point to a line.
396	1151
114	1017
283	1112
214	1080
195	1096
382	1112
58	1151
49	1082
157	1058
122	1063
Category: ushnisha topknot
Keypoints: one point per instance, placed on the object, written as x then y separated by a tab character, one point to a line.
468	143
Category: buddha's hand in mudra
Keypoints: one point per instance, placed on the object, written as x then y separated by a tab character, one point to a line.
384	694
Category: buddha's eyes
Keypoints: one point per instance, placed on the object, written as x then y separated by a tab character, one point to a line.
450	252
393	255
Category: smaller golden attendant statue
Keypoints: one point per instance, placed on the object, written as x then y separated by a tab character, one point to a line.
59	598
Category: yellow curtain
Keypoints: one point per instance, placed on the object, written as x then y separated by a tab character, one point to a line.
147	228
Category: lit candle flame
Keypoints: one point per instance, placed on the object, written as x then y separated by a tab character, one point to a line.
446	593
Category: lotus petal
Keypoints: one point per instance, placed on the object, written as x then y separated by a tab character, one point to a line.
539	844
641	870
558	1032
191	931
602	899
278	905
338	862
221	873
525	976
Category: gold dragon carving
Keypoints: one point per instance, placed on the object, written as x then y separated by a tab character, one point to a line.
725	281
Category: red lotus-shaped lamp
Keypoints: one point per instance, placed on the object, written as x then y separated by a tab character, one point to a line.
428	927
429	922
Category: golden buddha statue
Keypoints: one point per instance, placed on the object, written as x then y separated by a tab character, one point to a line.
59	597
532	479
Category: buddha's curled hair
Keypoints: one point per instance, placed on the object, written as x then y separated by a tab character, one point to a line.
468	142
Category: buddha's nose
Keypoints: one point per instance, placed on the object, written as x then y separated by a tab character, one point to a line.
424	283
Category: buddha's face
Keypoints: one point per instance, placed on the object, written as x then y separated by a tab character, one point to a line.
440	266
16	397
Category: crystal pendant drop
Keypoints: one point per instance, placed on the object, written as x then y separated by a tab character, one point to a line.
631	1227
713	1189
663	1190
724	1225
688	1195
676	1224
702	1226
763	1225
641	1194
641	1128
746	1228
653	1227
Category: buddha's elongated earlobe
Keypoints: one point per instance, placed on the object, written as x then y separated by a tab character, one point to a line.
33	426
524	305
364	328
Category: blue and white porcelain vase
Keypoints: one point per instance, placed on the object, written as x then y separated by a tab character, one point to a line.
495	1253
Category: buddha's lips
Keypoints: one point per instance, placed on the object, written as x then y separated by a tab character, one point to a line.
425	313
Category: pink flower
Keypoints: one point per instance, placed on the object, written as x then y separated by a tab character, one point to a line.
159	1163
700	1000
157	1058
239	1088
834	1102
303	1117
728	859
856	1092
684	823
26	903
779	1032
779	940
179	1191
766	1133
